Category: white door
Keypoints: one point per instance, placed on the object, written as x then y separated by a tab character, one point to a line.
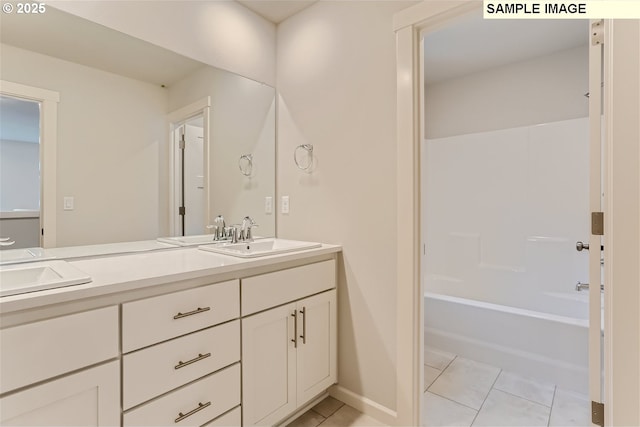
596	254
316	357
88	398
269	366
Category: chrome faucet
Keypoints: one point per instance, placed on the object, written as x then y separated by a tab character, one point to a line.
245	231
219	228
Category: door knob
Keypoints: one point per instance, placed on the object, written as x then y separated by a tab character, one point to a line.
580	246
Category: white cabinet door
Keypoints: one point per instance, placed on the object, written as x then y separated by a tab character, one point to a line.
87	398
317	340
268	366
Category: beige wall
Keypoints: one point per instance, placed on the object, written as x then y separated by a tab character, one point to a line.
540	90
223	34
337	86
111	143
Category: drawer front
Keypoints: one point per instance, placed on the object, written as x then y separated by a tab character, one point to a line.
230	419
152	320
272	289
41	350
155	370
193	405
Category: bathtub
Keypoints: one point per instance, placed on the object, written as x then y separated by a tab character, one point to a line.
542	345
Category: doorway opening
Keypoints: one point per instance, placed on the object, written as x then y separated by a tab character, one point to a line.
189	136
504	197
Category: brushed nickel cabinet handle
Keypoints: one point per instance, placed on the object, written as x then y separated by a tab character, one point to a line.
295	328
191	313
200	407
182	364
304	325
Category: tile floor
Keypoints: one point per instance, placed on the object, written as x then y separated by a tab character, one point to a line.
333	413
462	392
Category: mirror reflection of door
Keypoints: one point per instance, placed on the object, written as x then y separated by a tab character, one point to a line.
190	148
19	173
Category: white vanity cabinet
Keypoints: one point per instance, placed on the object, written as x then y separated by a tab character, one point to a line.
72	349
181	356
289	351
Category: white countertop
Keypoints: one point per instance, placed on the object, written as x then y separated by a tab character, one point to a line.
125	272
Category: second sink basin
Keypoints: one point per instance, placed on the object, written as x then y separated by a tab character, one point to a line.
38	276
262	247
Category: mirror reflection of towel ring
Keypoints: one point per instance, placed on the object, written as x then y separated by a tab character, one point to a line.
245	164
300	163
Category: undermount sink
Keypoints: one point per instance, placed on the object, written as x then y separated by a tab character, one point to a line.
201	239
258	248
22	278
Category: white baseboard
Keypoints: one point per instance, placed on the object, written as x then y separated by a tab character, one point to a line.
364	405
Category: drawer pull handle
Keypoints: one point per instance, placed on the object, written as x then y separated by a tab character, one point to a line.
200	407
191	313
182	364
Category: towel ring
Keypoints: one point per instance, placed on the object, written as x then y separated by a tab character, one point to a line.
245	164
308	148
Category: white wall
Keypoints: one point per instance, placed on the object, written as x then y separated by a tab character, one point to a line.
19	175
503	211
540	90
337	84
111	147
242	121
223	34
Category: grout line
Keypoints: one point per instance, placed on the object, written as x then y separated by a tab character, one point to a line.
553	400
451	400
486	397
434	380
524	398
323	417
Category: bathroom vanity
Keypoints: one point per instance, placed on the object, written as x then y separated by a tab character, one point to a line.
173	337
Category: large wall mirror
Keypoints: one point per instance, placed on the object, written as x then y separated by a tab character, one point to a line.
124	106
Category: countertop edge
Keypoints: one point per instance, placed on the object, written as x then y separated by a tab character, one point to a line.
15	303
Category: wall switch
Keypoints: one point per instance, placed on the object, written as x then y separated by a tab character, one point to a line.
268	205
285	205
68	203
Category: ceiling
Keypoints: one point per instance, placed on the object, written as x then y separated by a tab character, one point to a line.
473	44
277	11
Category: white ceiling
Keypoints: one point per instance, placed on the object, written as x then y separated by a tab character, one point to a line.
277	11
85	42
474	44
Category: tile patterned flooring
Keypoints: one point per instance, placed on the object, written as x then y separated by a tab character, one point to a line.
462	392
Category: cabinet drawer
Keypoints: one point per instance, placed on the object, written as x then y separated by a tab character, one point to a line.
230	419
152	320
155	370
41	350
272	289
193	405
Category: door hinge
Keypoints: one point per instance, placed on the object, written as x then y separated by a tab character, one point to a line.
597	413
181	210
597	33
182	142
597	223
42	231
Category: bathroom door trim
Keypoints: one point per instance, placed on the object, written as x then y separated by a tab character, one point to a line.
622	208
176	119
48	100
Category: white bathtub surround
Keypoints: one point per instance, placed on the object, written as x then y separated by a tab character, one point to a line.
548	347
508	400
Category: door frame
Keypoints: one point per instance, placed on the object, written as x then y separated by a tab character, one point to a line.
622	205
48	100
176	119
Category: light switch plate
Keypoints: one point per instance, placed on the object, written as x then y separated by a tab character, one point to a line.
285	205
268	205
68	203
